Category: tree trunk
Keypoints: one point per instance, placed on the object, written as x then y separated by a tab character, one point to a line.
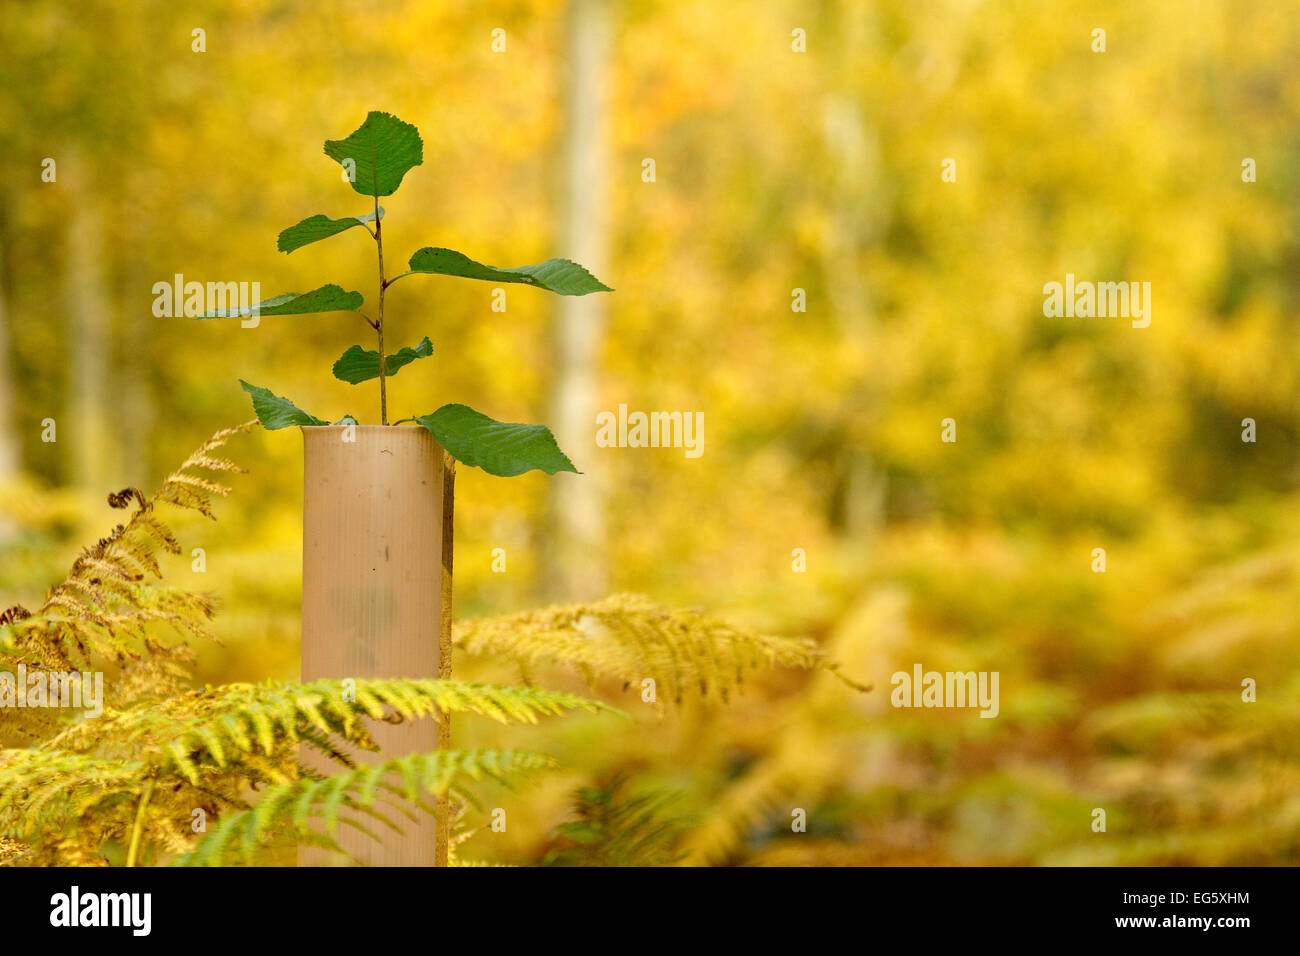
856	223
85	425
575	565
134	362
10	447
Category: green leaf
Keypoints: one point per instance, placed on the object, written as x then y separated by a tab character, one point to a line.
504	449
360	365
276	412
347	420
328	298
555	275
384	150
318	227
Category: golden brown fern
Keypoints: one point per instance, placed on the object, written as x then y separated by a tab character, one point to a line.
138	776
631	638
103	608
126	786
299	810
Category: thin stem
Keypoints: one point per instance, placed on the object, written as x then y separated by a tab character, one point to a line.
403	421
369	321
379	325
137	831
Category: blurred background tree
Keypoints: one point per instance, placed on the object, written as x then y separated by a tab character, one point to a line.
776	170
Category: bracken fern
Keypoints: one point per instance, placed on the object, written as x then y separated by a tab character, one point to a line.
130	785
631	638
127	786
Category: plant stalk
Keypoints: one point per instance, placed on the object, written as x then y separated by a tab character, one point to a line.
137	831
379	323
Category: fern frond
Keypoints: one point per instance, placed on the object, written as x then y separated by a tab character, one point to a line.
287	810
203	748
212	730
12	851
630	637
742	805
51	792
102	608
476	864
614	828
